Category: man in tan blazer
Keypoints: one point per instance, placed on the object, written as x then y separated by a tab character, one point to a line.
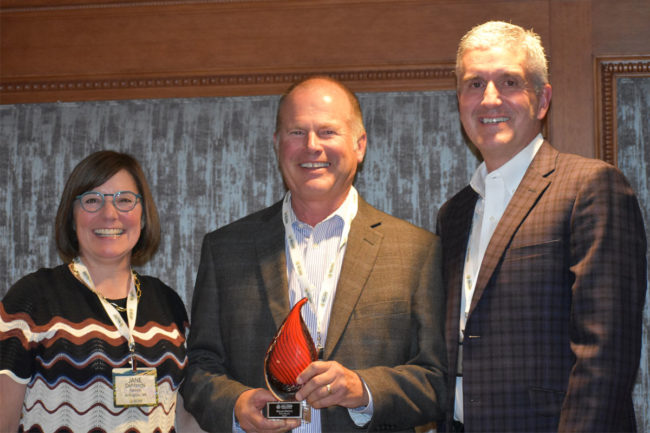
383	361
544	260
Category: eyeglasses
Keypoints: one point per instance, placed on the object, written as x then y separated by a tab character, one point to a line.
93	201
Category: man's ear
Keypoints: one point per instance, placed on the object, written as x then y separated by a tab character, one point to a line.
360	147
544	101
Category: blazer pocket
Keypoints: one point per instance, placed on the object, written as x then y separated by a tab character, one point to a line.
546	402
380	309
529	251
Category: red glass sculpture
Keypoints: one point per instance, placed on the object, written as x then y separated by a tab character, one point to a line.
290	352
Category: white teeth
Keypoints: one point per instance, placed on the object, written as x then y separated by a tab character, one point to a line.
108	232
495	120
314	164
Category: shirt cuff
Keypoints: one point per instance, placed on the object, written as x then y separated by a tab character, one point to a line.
236	428
363	414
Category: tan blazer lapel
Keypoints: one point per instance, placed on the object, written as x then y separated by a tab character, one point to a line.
360	255
532	186
273	264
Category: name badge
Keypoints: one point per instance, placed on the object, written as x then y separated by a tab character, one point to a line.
135	388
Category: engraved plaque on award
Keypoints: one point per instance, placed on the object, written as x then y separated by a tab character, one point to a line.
290	352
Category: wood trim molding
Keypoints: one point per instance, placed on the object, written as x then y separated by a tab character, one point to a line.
49	5
608	70
413	78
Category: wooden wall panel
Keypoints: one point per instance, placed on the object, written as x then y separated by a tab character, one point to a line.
620	27
571	77
608	70
163	49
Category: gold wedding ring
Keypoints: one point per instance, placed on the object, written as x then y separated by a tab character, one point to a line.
329	388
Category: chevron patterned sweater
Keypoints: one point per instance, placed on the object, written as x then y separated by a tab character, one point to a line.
56	338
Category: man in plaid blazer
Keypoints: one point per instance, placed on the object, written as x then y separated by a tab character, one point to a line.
544	260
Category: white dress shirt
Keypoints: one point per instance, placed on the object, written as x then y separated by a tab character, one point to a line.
495	189
319	247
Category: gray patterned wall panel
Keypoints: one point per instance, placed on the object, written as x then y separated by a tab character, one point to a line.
209	162
633	153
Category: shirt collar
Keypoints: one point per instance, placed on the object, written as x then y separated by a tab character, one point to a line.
512	171
346	212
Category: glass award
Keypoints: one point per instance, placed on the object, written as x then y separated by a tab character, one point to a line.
290	352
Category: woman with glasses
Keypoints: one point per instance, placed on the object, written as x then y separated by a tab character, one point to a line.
91	345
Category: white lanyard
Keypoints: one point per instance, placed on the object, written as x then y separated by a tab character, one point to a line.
471	268
319	307
80	270
484	224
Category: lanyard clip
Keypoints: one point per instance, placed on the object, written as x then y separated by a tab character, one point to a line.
132	355
319	345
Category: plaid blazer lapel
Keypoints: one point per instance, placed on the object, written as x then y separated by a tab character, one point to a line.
458	223
272	261
535	181
454	231
360	255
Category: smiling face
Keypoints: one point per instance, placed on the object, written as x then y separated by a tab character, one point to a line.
108	235
319	144
500	110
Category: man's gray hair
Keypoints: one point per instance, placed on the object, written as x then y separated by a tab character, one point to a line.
499	33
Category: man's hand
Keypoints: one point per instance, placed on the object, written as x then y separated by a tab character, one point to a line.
328	383
248	411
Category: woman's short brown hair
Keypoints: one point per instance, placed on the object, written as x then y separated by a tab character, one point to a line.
90	173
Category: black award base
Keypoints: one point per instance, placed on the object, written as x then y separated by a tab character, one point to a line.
287	410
